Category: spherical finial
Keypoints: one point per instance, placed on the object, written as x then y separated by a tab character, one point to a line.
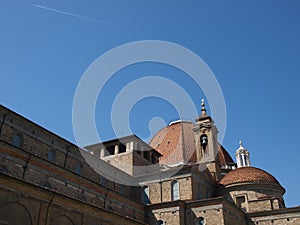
202	102
241	145
203	105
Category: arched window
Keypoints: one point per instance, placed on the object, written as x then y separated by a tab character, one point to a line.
15	213
79	168
51	156
145	195
174	190
241	160
201	221
17	140
102	180
203	141
62	220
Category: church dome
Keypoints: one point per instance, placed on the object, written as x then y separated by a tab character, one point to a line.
248	175
176	142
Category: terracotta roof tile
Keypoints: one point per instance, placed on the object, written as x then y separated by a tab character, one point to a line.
223	156
176	143
248	175
168	141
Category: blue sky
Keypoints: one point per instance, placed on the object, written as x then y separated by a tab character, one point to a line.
251	46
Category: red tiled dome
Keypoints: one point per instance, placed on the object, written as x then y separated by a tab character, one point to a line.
248	175
176	143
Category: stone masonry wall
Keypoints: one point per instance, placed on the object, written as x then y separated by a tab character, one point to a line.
27	204
277	217
29	163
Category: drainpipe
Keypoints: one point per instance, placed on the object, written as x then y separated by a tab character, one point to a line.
48	206
26	166
185	212
81	219
66	156
105	197
3	121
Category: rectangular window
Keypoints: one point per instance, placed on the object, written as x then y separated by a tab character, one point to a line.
241	160
174	190
241	202
122	148
145	195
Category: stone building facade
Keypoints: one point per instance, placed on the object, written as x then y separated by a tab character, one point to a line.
45	179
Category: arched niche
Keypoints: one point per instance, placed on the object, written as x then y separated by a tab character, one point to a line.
14	213
61	220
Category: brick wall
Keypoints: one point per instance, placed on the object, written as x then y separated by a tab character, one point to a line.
216	211
29	163
49	176
27	204
258	197
161	191
277	217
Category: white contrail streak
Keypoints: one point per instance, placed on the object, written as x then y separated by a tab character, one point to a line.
75	15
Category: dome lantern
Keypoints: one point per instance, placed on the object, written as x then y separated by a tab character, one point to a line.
242	156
